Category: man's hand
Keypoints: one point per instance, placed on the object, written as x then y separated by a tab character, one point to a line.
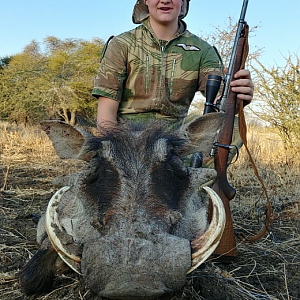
243	86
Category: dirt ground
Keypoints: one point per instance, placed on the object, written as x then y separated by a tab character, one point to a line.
267	269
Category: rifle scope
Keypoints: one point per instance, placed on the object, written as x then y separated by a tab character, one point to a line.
212	88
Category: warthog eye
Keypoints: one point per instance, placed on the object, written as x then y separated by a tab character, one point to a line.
101	183
177	167
170	180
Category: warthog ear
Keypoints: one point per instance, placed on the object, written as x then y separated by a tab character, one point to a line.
67	140
202	132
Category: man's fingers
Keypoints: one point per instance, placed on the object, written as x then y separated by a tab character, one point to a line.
243	90
242	73
241	82
245	97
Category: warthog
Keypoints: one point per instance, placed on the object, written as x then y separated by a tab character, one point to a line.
131	221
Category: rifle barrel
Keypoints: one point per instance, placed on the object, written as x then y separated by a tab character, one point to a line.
229	74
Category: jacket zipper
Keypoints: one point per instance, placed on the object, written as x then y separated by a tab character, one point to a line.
147	73
172	75
162	71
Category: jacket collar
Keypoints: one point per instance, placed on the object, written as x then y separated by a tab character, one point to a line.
181	28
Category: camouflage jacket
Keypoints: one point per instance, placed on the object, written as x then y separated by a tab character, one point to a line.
149	75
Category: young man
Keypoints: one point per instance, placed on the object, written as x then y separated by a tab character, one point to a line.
154	70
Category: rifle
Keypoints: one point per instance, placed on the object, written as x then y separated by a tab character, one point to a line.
228	104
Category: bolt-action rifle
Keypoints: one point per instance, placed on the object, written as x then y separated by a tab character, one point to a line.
228	103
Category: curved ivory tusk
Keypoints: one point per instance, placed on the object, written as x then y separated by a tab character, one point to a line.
204	245
52	225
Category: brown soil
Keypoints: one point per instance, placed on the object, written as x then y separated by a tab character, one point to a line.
267	269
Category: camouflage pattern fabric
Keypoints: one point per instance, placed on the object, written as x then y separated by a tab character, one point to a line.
147	75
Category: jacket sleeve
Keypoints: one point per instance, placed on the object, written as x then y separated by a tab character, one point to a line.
112	73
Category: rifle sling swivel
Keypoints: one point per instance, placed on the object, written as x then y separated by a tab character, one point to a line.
227	147
211	107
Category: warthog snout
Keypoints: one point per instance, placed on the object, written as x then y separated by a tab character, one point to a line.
132	267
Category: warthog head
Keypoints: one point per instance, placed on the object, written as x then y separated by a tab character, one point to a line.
131	221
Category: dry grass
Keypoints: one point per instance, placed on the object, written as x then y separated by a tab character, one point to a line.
28	148
268	269
279	169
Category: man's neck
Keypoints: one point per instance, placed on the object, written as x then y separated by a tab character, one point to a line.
164	31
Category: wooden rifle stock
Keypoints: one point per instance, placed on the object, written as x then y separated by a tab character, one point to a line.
229	104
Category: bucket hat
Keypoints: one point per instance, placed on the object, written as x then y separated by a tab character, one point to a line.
140	11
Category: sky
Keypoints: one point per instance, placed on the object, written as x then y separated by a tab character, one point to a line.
22	21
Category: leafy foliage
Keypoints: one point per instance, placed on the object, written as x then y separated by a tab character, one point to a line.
4	61
279	92
50	84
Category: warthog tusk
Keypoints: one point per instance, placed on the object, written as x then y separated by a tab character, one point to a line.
203	246
53	226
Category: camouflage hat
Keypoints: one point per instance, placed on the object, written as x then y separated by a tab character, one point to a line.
140	11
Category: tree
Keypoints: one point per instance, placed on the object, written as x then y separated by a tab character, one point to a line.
55	83
22	86
279	95
72	65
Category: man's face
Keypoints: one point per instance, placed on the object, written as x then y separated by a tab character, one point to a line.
164	11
